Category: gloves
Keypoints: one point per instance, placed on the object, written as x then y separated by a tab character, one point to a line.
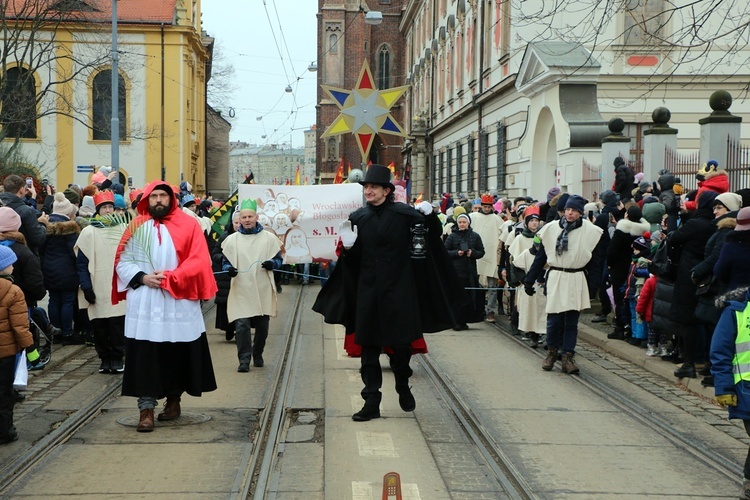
529	289
232	271
33	357
347	234
727	400
425	207
267	265
90	296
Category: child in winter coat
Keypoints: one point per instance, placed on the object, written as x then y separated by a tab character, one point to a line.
14	337
637	275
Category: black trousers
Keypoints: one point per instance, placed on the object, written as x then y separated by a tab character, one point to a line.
372	373
247	348
7	374
109	337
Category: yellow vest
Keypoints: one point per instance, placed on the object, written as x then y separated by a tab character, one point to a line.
741	361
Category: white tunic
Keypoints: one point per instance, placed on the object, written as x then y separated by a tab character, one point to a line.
152	313
568	291
532	314
99	245
488	227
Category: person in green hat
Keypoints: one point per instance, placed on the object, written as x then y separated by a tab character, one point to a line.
250	256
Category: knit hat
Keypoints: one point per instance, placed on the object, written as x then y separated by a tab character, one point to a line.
643	243
458	211
639	177
706	199
562	201
576	203
745	194
120	202
188	200
552	193
591	207
9	220
609	197
7	257
643	186
88	202
618	162
743	220
72	196
117	188
63	206
634	213
731	201
463	216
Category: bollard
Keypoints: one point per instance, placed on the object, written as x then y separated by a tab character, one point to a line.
392	486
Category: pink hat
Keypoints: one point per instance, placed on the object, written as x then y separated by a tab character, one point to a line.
639	177
743	220
9	220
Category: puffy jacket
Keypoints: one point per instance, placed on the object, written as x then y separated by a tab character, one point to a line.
624	180
58	258
645	304
717	181
27	270
620	248
31	228
663	295
466	267
733	266
14	320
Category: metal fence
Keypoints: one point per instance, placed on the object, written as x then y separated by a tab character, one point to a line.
591	179
685	166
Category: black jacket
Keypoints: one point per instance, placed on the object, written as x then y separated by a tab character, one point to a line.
624	180
27	271
466	267
59	264
34	232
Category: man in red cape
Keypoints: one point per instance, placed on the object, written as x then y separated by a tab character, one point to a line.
163	268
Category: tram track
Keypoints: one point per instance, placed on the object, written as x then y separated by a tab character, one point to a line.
724	465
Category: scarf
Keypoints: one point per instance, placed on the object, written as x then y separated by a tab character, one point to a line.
562	240
253	230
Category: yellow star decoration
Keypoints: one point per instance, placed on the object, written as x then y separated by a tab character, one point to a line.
365	111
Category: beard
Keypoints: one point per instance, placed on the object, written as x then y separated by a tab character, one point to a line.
158	211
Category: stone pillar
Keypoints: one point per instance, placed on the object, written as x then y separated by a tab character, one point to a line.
419	170
614	145
656	141
717	128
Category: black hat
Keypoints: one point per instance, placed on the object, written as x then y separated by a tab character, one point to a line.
618	162
378	174
576	203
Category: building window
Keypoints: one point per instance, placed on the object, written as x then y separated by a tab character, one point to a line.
333	47
101	91
470	164
384	67
441	184
449	181
644	22
502	142
459	167
18	115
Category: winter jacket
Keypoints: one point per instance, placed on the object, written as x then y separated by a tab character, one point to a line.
58	257
663	294
621	248
653	213
733	266
645	304
638	271
624	180
706	309
687	245
14	320
223	281
716	180
668	198
723	352
27	270
31	228
466	267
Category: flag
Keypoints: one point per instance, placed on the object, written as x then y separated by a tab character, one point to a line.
419	198
340	172
223	215
251	178
297	177
392	168
407	178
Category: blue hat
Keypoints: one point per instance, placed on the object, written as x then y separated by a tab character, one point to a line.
187	200
576	203
7	257
477	201
120	202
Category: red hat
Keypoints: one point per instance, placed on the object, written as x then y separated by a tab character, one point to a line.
532	211
488	199
134	194
103	197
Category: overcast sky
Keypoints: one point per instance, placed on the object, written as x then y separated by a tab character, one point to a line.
270	43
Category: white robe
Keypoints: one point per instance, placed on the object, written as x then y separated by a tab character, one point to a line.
532	314
488	228
253	292
152	313
569	291
99	245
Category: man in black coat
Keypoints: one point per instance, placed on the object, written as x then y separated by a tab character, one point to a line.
624	179
387	286
32	224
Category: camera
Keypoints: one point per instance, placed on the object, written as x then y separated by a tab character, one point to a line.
130	182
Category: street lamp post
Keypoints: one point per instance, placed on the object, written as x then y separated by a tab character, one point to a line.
114	130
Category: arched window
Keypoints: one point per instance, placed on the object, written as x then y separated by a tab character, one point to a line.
384	68
18	99
333	46
101	99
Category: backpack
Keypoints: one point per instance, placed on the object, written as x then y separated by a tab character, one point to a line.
661	264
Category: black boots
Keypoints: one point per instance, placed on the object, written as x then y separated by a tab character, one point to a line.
687	370
406	399
368	412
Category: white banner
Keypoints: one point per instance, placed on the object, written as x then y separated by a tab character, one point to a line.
306	218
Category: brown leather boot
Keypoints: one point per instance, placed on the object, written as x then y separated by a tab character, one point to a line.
549	361
568	364
146	424
171	409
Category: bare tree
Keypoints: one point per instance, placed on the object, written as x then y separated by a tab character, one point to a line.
221	86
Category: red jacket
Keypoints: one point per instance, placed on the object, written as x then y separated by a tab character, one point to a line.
645	304
715	181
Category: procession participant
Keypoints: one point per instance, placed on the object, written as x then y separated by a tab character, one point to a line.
95	249
392	283
163	268
567	246
488	224
250	256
